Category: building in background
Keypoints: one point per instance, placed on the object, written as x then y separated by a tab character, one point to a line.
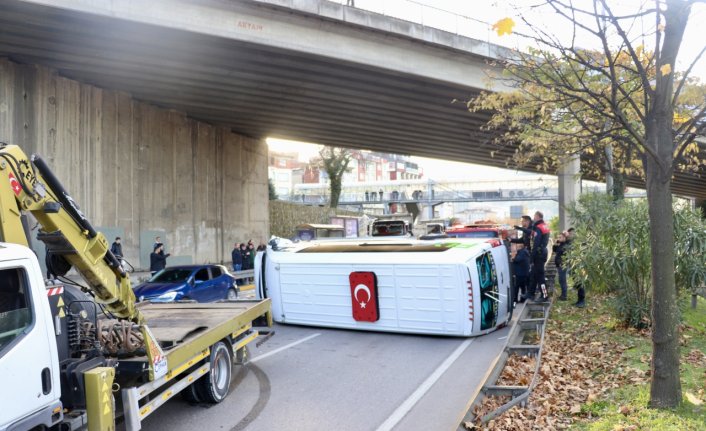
369	167
285	170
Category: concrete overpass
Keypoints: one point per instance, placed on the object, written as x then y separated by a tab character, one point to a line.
155	111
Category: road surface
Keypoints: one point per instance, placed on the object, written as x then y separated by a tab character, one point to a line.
312	379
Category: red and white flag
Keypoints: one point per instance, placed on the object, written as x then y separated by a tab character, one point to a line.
15	185
364	296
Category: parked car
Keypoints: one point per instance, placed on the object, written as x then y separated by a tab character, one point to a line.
202	283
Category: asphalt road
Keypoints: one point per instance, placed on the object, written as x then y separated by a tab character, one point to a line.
311	379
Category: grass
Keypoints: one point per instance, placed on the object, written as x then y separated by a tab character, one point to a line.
625	407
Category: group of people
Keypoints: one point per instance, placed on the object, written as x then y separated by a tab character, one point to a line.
158	258
243	256
531	255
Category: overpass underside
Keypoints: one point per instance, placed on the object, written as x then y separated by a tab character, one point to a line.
232	74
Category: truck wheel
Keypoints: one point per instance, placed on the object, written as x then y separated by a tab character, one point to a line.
190	394
213	387
231	295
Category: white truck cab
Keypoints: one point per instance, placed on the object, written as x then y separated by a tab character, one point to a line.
28	352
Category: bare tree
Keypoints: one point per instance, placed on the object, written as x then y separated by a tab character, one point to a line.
621	94
334	161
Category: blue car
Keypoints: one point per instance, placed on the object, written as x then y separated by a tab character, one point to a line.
202	283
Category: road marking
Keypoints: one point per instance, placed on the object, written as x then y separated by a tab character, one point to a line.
407	405
268	354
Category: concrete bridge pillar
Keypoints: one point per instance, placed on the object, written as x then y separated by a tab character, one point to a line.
569	188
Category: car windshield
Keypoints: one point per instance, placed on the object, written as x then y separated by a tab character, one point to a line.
171	275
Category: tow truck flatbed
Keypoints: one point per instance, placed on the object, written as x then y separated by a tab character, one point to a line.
185	329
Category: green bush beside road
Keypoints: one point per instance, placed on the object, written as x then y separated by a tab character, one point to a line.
611	252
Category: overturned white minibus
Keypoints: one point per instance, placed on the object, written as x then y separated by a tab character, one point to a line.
444	287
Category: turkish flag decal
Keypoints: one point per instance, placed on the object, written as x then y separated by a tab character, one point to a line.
364	296
15	185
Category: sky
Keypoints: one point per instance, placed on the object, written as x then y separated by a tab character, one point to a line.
474	18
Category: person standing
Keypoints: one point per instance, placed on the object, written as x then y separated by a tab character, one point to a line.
251	257
262	246
581	291
237	261
539	255
526	229
559	249
158	260
117	248
246	253
157	241
521	269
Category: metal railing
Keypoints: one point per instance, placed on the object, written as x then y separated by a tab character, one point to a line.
533	320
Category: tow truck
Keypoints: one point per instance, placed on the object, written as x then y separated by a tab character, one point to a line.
91	357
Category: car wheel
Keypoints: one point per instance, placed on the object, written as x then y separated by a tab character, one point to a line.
231	295
213	387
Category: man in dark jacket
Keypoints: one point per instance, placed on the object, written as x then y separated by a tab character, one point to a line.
526	230
117	248
237	261
158	260
521	269
539	255
560	247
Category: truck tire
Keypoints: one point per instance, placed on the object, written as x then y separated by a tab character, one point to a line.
190	393
213	387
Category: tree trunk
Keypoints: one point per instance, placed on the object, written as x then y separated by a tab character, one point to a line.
665	391
618	186
335	191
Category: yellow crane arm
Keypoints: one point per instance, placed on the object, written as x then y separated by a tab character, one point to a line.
29	185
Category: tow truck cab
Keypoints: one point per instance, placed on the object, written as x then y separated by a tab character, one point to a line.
28	348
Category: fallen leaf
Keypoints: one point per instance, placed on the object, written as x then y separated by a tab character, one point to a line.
625	410
575	409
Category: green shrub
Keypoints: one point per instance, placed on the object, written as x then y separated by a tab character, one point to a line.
611	252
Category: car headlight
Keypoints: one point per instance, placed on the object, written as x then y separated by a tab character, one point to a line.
169	296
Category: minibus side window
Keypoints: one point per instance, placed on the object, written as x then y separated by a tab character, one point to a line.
488	280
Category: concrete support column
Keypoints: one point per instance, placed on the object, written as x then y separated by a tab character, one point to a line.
430	197
569	188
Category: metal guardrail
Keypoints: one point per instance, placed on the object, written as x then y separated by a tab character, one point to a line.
527	323
239	275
